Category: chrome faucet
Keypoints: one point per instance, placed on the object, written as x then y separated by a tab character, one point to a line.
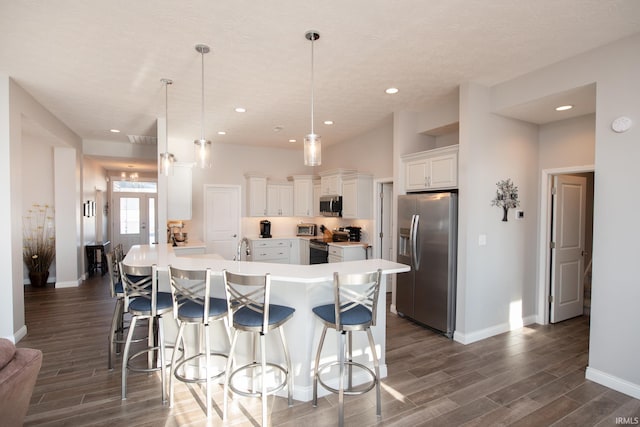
247	251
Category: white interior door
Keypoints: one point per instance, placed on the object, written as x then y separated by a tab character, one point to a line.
568	242
222	219
134	219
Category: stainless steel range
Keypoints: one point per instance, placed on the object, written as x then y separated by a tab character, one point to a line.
318	251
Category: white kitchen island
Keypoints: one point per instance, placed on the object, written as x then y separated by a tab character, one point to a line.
299	286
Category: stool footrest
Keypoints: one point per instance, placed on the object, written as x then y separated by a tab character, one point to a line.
254	365
354	391
143	352
186	379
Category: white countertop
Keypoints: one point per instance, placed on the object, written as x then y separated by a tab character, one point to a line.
191	244
163	255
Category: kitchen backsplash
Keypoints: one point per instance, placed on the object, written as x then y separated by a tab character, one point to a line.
286	227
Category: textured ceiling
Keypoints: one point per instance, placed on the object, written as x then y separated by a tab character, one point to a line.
97	65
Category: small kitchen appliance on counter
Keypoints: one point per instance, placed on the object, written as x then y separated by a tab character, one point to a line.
305	229
354	233
265	229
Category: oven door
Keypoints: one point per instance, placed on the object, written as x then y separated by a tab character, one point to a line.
318	255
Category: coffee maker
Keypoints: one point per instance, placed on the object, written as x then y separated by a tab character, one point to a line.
265	229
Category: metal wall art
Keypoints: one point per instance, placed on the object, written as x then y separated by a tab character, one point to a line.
506	197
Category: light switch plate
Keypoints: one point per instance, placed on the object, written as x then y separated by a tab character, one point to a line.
482	240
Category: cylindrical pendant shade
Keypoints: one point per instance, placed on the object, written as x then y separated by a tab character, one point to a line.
166	163
203	152
312	150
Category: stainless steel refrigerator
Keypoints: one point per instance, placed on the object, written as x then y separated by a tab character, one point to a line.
427	230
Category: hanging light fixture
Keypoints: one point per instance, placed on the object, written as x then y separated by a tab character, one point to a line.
202	145
166	158
312	142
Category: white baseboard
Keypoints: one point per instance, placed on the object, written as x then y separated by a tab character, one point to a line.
69	284
20	333
482	334
618	384
392	308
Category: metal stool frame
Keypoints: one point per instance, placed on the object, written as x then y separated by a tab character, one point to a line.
249	296
193	305
141	300
354	309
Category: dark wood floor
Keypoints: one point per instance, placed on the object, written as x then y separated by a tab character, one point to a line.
530	377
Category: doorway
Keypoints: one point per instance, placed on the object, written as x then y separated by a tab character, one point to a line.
222	219
134	220
566	219
384	223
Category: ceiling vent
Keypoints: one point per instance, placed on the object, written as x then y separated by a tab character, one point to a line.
143	139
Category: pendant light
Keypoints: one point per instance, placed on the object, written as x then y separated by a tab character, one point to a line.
166	158
312	142
202	145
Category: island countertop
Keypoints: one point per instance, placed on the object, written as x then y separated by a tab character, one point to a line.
163	255
301	287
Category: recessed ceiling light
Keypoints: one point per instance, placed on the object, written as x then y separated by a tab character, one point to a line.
564	107
391	90
241	110
292	140
221	132
114	130
328	122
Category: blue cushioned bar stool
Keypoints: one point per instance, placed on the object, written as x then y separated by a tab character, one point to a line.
117	321
193	305
250	310
354	309
143	301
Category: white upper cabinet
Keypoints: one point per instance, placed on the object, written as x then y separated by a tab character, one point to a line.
331	182
303	196
357	196
256	195
432	169
280	199
179	190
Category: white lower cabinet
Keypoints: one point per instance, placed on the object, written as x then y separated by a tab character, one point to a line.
339	253
271	250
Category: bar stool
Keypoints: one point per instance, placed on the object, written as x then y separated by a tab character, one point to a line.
117	320
193	305
354	309
143	301
250	310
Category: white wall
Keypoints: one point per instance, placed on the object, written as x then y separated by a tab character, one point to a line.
12	299
496	282
93	179
19	109
370	152
568	142
614	314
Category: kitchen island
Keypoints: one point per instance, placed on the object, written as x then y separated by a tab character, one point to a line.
299	286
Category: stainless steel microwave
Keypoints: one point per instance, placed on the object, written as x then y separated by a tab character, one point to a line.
305	230
331	205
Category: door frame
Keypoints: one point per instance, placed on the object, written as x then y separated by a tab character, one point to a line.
544	236
377	224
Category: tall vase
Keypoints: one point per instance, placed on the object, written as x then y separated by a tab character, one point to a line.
505	211
38	278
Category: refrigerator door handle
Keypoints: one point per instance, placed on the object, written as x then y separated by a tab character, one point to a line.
414	241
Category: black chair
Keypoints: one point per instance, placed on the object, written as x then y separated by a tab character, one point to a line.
354	309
